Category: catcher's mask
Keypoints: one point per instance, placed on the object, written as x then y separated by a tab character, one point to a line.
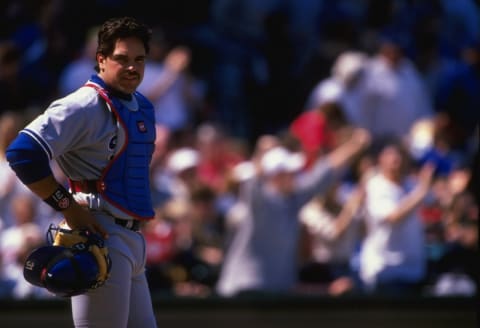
74	262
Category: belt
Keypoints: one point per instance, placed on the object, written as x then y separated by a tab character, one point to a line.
133	225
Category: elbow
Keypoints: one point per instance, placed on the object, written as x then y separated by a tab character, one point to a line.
27	160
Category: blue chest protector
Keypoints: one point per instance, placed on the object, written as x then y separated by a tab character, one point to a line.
125	180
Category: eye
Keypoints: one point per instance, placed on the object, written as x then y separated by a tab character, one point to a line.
120	59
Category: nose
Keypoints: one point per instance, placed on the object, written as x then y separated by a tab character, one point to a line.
130	64
131	67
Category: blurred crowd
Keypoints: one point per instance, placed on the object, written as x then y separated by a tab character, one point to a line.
303	146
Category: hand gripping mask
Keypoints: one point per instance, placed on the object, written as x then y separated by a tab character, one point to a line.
75	262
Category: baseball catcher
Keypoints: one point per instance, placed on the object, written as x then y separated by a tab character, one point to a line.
74	262
102	136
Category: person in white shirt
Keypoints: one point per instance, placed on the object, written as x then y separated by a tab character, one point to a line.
392	256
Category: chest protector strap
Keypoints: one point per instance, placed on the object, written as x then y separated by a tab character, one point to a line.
125	180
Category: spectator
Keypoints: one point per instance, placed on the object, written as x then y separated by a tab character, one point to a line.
181	172
450	201
455	272
392	257
444	151
263	253
236	211
316	129
344	86
185	244
169	85
332	231
207	236
459	260
394	96
218	154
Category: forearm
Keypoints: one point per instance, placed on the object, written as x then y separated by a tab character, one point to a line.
407	205
346	215
174	65
32	167
415	197
44	187
162	84
76	216
343	154
48	188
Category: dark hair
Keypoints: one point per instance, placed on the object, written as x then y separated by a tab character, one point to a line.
334	112
390	140
120	28
386	140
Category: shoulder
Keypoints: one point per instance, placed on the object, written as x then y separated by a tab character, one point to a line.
328	87
381	186
84	96
78	101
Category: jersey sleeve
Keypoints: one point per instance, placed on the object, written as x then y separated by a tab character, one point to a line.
28	159
65	124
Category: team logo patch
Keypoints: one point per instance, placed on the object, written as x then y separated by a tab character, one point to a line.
141	126
113	143
64	203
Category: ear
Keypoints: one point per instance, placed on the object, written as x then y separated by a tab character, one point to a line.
101	61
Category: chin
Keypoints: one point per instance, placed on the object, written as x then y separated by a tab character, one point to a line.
128	90
130	86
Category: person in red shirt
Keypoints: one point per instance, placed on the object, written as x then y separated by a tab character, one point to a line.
316	129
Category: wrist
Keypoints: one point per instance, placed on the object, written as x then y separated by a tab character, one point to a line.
60	200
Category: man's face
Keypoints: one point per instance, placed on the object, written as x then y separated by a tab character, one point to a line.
392	53
283	182
123	70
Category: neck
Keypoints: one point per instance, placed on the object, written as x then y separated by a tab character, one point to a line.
392	176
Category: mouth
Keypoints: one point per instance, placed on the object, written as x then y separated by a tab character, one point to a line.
132	77
129	83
